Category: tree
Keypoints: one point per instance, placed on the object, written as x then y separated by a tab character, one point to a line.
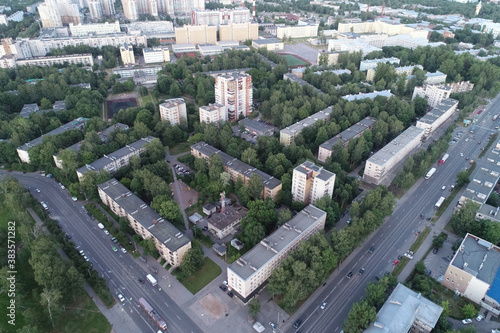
175	90
462	178
51	299
192	261
360	317
254	307
284	216
45	104
438	241
255	186
171	211
469	310
149	247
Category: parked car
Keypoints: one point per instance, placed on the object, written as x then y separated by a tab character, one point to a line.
106	232
223	287
467	321
141	281
230	294
435	250
479	318
74	198
37	190
273	325
114	248
121	298
123	250
395	262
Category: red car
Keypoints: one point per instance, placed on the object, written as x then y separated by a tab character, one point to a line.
395	262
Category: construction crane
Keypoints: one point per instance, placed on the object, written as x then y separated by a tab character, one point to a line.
383	6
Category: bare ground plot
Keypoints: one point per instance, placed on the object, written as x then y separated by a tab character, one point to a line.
210	308
187	195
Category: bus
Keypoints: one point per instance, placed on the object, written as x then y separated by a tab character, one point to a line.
440	202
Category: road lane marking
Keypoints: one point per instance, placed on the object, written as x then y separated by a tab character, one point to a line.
166	304
178	317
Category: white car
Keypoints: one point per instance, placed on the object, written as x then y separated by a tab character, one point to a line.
86	258
37	190
123	250
409	256
466	139
81	252
479	318
461	154
121	298
74	198
444	187
62	186
106	232
467	321
323	306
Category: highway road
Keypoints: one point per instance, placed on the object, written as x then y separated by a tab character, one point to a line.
120	270
395	236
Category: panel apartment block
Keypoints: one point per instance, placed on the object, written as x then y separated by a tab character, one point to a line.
22	151
156	54
238	169
213	113
373	63
238	31
83	59
127	54
169	241
117	159
220	16
235	91
247	275
436	93
437	116
474	273
379	164
355	131
311	182
174	110
196	34
288	134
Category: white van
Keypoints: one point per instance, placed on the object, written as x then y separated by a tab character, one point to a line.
101	226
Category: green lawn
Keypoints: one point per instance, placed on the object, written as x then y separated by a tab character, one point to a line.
420	239
145	99
182	147
294	61
204	276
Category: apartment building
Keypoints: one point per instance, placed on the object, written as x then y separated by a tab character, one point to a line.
482	183
247	275
238	169
220	16
288	134
55	13
23	151
435	94
344	137
77	146
311	182
137	72
117	159
169	241
238	31
270	44
209	49
130	10
301	30
84	59
95	9
94	29
473	273
174	111
406	311
127	54
196	34
235	91
373	63
108	7
381	27
156	54
383	161
437	116
213	113
372	95
151	29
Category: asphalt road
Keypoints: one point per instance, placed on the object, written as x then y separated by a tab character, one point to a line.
395	237
120	270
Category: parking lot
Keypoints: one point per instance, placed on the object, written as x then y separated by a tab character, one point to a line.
438	262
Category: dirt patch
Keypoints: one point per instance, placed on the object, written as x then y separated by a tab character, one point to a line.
213	306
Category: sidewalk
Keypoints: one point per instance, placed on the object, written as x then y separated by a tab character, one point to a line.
118	319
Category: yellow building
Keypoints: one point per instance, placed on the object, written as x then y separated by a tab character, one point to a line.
297	31
127	54
380	27
238	31
196	34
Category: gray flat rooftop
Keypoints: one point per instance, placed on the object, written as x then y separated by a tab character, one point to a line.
395	146
437	73
78	123
274	244
474	254
482	182
228	71
117	154
308	166
436	112
161	228
59	105
334	71
382	60
372	95
29	109
407	68
401	309
349	133
296	128
267	41
256	125
237	165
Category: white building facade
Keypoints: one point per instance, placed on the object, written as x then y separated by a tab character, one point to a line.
213	113
311	182
235	91
173	110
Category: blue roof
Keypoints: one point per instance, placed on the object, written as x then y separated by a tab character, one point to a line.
494	291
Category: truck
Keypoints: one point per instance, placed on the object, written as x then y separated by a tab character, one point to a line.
495	117
101	226
152	280
153	314
430	173
443	159
259	327
440	202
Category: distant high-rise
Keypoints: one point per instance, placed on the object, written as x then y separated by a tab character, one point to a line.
221	16
55	13
130	10
179	7
311	182
95	9
108	7
235	92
